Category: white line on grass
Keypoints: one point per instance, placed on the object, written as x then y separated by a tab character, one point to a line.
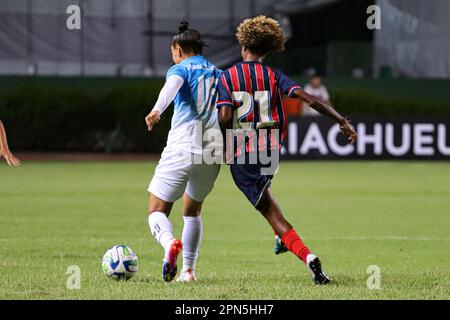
382	238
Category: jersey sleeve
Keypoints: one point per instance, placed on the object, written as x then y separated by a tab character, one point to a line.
224	98
177	70
286	85
168	92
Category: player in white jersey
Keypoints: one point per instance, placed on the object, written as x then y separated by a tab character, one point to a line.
191	83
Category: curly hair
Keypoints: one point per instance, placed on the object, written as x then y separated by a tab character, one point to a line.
261	35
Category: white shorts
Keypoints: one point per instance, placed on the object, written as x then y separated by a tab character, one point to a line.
175	176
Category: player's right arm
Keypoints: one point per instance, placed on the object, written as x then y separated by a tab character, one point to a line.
224	104
175	79
4	148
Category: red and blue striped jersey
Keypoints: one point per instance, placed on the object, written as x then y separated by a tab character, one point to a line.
255	92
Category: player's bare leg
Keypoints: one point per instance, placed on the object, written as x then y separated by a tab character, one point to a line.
192	237
270	209
161	229
156	204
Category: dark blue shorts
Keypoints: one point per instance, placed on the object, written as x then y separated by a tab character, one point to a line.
250	181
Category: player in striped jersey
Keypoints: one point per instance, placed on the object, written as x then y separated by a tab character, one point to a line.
250	99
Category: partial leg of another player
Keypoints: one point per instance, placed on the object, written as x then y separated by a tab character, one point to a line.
161	229
192	237
279	246
270	209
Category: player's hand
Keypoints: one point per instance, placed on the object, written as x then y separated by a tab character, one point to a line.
348	130
10	158
151	119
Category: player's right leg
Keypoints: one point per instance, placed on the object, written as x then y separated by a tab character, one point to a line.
201	182
256	187
192	237
270	209
167	186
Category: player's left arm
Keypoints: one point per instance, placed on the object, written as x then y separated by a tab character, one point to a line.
4	148
293	90
328	110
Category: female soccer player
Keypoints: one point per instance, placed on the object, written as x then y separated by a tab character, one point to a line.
4	149
252	92
192	84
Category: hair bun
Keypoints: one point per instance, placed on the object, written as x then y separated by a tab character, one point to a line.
184	25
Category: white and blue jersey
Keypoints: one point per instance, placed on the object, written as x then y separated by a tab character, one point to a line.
194	81
194	102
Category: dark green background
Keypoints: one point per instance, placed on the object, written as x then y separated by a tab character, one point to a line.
107	114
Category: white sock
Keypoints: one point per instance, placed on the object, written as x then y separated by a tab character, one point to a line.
192	237
161	229
310	257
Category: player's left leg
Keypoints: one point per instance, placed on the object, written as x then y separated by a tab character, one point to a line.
161	228
191	237
279	246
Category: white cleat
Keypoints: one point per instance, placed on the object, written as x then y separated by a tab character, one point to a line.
187	276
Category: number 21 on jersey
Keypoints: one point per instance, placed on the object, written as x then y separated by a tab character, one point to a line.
248	106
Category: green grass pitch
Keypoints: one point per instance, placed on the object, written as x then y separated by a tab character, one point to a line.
395	215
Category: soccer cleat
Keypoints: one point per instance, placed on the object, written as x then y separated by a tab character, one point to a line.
169	267
187	276
314	266
279	246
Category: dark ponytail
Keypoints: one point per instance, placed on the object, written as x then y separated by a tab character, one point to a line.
190	40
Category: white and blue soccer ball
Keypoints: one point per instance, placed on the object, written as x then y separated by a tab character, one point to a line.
120	262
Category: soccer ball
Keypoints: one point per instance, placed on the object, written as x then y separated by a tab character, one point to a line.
120	262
